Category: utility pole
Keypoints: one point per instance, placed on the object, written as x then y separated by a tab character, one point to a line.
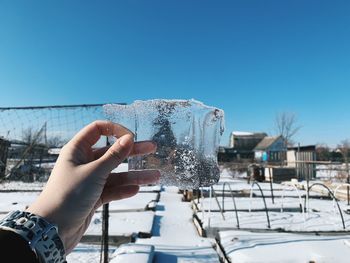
105	226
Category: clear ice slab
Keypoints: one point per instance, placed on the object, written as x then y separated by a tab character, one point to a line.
187	134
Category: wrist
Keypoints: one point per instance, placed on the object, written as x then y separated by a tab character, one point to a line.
38	209
41	235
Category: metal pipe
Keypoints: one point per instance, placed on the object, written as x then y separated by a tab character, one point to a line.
334	198
233	199
300	201
263	196
217	202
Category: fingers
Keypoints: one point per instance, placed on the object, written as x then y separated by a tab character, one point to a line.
100	151
132	178
90	134
121	192
124	185
115	154
139	148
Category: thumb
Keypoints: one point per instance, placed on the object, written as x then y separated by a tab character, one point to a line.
116	154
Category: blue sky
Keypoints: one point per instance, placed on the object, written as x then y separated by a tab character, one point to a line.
253	59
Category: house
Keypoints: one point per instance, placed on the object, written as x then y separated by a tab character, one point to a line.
241	146
271	149
245	140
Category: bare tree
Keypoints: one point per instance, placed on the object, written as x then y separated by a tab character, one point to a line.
286	125
32	137
344	149
323	152
32	146
55	142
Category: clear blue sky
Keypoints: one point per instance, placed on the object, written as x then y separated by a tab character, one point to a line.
253	59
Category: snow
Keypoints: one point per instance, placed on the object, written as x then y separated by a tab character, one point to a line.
246	203
328	172
228	174
16	200
243	246
287	200
122	224
139	202
123	167
133	253
55	151
87	253
150	188
12	186
160	213
288	221
174	236
237	133
322	215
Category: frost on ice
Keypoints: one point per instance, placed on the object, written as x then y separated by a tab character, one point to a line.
187	134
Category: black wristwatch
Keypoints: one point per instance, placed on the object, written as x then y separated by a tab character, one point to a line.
41	235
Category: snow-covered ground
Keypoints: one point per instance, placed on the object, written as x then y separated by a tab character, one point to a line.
13	186
87	253
139	202
122	224
16	200
257	204
173	237
329	172
133	253
244	246
286	221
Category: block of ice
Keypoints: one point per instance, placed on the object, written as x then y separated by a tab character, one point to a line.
187	134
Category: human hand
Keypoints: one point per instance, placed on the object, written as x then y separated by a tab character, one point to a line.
81	180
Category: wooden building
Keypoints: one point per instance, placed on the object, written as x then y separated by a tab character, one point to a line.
271	150
241	146
246	140
303	158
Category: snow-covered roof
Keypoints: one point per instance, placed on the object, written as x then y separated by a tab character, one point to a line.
239	133
54	151
244	133
266	143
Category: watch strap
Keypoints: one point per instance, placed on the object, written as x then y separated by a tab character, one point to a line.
41	235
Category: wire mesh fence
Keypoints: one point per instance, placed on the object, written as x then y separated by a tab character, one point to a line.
30	137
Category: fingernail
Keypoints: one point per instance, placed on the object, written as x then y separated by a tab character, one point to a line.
125	140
